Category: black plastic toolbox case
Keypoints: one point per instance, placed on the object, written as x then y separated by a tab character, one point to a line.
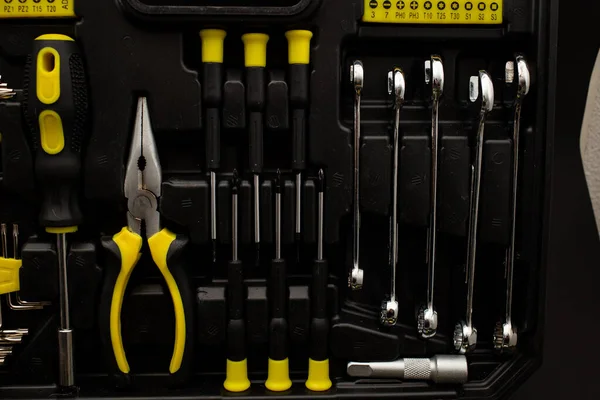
131	51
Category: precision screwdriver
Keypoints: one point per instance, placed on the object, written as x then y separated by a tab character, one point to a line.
255	60
278	369
56	109
299	58
318	363
212	95
237	370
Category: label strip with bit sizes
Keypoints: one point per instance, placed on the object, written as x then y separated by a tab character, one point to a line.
37	8
488	12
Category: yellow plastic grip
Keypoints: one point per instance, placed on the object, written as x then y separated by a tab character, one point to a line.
52	136
318	376
66	229
255	49
298	46
237	376
9	275
159	244
279	375
129	245
48	75
212	45
55	36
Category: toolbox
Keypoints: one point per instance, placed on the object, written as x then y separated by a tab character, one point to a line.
273	198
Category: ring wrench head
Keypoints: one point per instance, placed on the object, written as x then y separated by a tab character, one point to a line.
465	338
427	322
357	76
505	337
389	313
355	281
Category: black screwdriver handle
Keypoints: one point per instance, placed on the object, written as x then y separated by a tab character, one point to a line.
278	328
212	92
56	110
299	102
255	60
236	330
255	80
319	325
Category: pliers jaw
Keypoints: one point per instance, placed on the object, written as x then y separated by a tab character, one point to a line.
143	177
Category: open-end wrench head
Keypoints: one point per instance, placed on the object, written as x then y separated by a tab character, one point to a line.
434	76
524	76
465	338
481	90
389	313
397	86
505	337
357	76
427	322
355	280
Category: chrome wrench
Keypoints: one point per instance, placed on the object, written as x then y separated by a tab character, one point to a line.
396	89
505	334
427	320
481	89
355	281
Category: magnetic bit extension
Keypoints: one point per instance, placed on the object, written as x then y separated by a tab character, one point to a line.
438	369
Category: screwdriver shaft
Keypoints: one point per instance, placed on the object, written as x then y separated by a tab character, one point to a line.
298	205
256	209
213	212
65	334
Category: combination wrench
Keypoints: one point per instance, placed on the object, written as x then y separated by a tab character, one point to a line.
396	89
427	320
505	334
481	89
355	280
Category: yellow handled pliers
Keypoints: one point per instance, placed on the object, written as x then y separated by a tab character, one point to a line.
143	181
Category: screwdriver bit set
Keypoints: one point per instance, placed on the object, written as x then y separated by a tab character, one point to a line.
271	199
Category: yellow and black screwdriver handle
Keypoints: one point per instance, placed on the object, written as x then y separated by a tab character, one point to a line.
56	108
123	253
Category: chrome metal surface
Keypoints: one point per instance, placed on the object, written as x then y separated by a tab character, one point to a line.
505	334
427	319
465	335
356	278
396	89
438	369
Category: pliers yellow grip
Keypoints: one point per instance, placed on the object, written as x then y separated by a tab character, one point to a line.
142	189
9	275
